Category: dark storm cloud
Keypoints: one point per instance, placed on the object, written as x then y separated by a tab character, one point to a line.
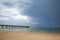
45	10
8	4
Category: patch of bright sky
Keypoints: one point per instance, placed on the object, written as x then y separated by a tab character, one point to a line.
14	12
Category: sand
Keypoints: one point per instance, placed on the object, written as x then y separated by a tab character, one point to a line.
5	35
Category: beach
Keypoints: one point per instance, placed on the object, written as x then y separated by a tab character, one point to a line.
27	35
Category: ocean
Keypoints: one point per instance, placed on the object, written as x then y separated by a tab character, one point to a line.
41	29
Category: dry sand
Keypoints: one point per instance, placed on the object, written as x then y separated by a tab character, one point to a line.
5	35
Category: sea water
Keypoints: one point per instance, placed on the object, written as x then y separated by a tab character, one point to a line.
33	29
15	29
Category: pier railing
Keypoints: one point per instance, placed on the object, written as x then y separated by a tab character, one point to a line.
12	26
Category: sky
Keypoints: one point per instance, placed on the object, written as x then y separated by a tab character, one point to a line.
42	13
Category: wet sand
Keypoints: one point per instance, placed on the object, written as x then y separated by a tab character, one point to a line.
5	35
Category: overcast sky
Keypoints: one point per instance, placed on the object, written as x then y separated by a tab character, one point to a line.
30	12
